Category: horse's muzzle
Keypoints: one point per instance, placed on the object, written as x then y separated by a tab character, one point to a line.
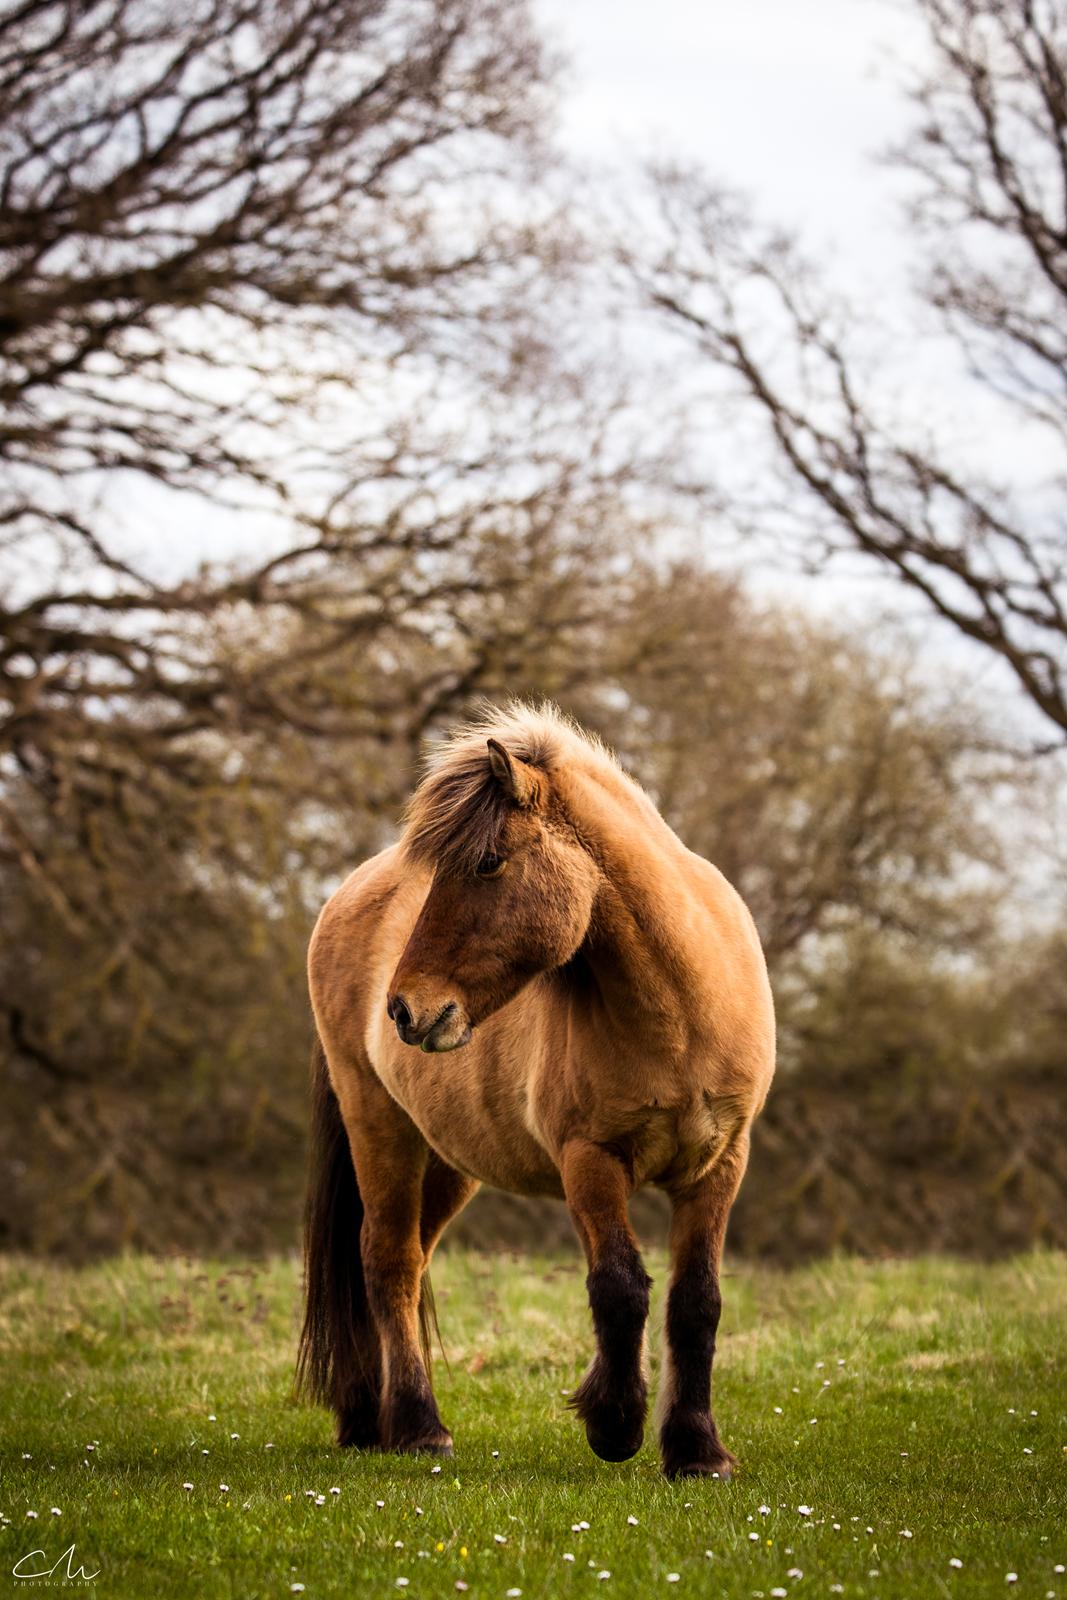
448	1030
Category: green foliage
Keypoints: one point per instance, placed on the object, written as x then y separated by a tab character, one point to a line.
937	1436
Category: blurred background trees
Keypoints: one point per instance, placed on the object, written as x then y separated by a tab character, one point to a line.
309	443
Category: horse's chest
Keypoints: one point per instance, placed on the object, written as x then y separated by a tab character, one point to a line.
475	1120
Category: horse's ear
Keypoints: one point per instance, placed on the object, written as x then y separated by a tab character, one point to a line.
518	781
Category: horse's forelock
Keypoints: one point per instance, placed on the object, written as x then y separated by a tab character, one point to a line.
456	815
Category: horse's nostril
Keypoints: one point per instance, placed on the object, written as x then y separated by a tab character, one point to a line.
397	1010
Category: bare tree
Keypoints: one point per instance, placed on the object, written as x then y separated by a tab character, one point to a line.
242	248
989	154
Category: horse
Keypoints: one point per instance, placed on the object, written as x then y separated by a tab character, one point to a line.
539	988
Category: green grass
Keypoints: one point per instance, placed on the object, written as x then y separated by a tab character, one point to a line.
921	1378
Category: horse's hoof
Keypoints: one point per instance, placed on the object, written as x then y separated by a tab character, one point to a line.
431	1444
723	1470
609	1449
428	1447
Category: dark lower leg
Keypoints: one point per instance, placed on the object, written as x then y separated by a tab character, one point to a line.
689	1440
613	1396
357	1403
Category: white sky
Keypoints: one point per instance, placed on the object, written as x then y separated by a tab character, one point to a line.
789	100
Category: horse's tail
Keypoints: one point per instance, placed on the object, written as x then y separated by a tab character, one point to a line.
337	1337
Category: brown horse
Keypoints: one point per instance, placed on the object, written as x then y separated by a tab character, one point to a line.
599	1001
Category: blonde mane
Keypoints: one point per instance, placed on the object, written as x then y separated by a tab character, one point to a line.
455	816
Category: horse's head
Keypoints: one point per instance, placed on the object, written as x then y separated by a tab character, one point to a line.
511	896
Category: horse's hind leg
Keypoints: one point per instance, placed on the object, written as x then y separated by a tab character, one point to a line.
613	1395
444	1194
391	1161
689	1439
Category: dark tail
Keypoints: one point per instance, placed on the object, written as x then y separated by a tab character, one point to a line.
337	1358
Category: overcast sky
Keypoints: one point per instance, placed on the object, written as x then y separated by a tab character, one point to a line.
789	101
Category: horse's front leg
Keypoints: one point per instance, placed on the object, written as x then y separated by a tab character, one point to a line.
613	1395
689	1440
391	1172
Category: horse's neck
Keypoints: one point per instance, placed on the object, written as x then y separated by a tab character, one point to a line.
637	948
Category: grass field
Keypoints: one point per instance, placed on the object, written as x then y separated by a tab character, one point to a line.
918	1409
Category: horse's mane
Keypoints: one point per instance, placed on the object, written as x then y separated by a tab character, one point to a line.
455	816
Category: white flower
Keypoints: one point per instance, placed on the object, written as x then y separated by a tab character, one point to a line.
56	1511
1027	1451
777	1411
753	1538
212	1418
1058	1567
187	1486
672	1577
954	1561
513	1594
205	1452
778	1593
906	1533
632	1521
235	1435
1011	1577
225	1488
296	1588
268	1447
499	1538
33	1513
794	1572
398	1544
496	1454
379	1504
805	1511
604	1574
837	1588
567	1556
402	1583
434	1470
335	1491
764	1511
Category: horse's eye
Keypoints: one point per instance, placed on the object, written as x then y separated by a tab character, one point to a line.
490	867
